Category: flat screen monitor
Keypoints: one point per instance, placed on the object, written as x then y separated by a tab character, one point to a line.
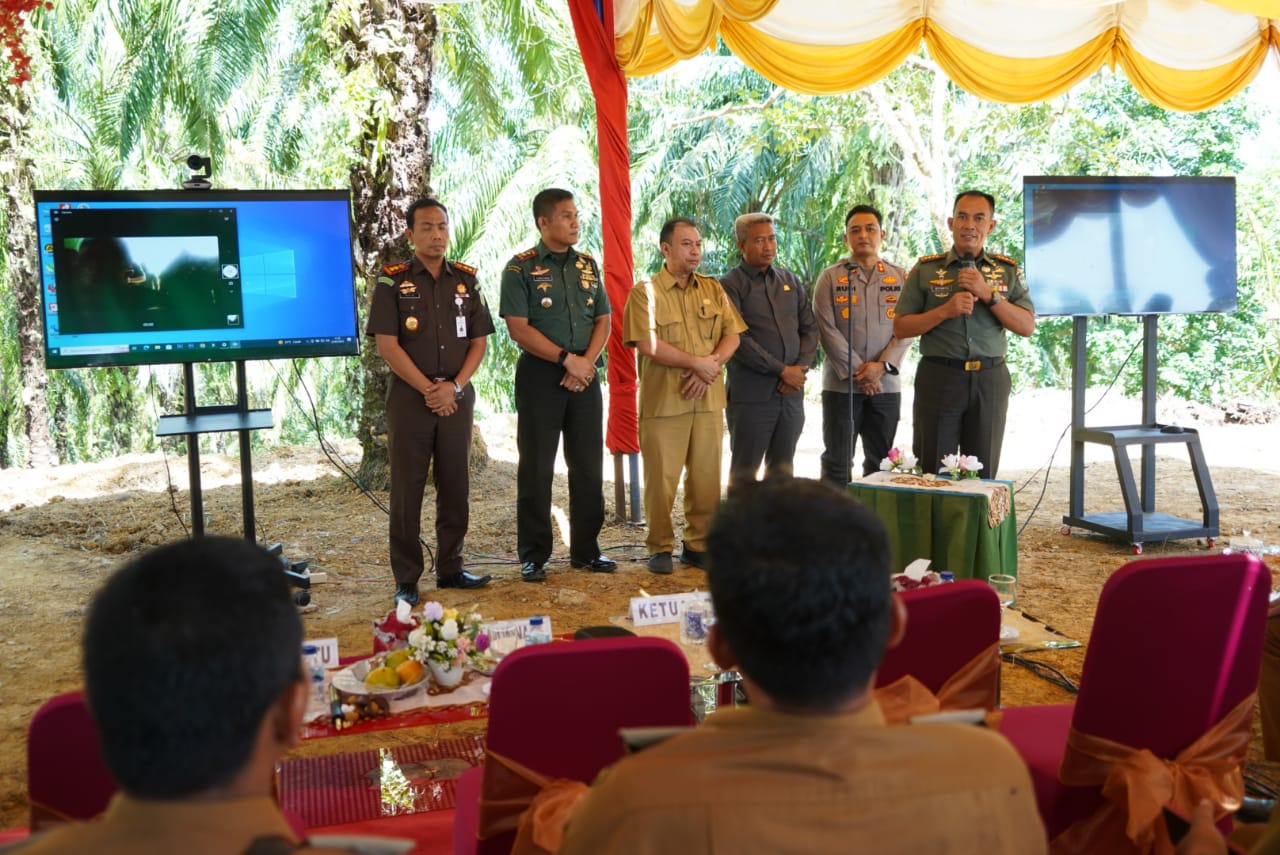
1130	246
165	276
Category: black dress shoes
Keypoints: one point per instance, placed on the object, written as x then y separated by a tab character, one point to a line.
407	592
532	571
463	580
599	564
695	557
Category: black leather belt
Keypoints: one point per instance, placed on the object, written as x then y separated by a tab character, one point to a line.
976	364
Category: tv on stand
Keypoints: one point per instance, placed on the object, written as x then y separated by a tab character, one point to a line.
170	276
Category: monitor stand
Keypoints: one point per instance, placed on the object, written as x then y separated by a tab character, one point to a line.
220	419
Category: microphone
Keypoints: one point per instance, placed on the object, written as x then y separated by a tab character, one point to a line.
967	262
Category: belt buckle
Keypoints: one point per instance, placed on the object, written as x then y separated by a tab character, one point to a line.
973	365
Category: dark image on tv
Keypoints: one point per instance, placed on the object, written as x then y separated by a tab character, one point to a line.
182	274
1130	246
151	277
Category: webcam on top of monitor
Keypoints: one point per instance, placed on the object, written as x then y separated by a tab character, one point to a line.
199	180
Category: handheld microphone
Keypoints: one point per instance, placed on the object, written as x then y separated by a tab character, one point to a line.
967	262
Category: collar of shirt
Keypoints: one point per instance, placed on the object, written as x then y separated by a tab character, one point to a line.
756	718
753	272
252	813
545	252
416	266
664	279
952	257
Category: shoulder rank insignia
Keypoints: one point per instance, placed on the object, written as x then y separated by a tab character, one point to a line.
1006	259
585	255
393	269
465	268
527	254
935	257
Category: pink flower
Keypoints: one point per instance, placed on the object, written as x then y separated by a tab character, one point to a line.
464	644
895	454
482	642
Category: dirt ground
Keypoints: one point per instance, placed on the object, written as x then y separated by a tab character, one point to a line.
63	529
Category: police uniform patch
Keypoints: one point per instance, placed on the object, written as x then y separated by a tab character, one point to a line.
889	298
889	280
844	313
842	298
411	323
890	313
843	280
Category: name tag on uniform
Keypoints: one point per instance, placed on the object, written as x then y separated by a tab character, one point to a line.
460	324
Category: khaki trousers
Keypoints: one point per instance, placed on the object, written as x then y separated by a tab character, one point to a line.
690	442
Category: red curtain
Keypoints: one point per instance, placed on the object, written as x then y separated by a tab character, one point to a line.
593	25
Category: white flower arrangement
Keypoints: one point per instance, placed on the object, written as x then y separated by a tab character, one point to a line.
448	638
898	460
961	465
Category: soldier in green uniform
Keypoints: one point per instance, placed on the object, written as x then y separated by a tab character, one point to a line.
429	322
557	311
960	303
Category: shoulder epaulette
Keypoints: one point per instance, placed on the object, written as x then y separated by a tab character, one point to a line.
527	254
393	269
465	268
585	255
1006	259
937	256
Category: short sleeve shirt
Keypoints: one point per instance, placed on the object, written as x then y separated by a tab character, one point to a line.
561	294
692	319
932	282
434	320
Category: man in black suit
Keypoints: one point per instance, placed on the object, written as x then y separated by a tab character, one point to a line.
767	373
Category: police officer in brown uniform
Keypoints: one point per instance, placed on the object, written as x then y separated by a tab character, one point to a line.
429	321
556	309
960	303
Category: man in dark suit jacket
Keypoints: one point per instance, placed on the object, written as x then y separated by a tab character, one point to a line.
766	375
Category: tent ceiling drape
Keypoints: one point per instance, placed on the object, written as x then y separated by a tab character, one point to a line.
1179	54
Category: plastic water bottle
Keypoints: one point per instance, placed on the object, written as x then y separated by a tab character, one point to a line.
318	696
947	576
536	634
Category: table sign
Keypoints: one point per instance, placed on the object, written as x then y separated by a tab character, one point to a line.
326	649
646	611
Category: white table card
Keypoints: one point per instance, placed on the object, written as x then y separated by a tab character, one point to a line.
646	611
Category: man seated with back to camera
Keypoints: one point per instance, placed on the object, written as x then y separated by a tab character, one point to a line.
193	676
799	578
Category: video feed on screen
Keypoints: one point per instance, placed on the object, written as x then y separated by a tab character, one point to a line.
1130	246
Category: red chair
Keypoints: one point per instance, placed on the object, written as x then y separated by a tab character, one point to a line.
66	777
557	708
948	627
1175	647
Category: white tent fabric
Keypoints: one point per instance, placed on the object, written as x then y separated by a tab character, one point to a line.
1183	54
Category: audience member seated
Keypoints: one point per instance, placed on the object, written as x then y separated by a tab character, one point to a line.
193	674
799	576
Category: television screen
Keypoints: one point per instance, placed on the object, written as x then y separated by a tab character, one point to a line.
1130	246
146	277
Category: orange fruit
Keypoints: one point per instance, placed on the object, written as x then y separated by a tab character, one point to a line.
410	671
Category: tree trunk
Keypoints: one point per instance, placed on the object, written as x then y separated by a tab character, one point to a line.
22	273
394	168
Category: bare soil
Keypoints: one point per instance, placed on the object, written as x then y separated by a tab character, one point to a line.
63	529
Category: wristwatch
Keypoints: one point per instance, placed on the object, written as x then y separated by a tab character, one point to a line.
564	354
996	296
457	391
889	367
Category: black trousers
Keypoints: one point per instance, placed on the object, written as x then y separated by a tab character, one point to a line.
545	410
875	421
961	409
418	439
764	431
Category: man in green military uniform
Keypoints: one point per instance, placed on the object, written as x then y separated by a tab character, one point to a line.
557	311
429	322
960	303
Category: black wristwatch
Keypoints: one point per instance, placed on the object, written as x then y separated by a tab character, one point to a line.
564	354
889	367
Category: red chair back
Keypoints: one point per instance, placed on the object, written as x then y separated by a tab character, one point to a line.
1176	644
947	626
66	776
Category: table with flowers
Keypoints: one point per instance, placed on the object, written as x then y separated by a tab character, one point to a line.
966	526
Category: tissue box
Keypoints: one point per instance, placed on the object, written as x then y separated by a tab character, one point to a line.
903	582
392	633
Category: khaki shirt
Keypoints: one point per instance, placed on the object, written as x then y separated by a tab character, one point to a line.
423	314
932	282
751	780
866	311
692	319
561	299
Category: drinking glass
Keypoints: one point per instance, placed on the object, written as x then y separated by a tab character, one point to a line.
1006	588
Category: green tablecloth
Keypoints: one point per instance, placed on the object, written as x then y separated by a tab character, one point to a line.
949	528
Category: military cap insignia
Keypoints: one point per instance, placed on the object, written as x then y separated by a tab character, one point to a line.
527	254
393	269
465	268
